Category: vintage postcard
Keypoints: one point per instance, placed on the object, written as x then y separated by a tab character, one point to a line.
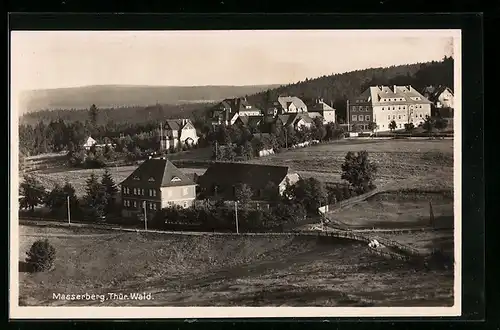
225	174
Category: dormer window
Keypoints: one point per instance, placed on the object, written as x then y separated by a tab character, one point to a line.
151	179
175	179
136	178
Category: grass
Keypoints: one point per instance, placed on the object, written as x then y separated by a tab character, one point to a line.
398	210
225	271
419	164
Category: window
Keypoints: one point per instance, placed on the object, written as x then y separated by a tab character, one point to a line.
399	117
185	191
367	118
135	203
154	206
136	178
175	179
354	108
393	117
383	125
389	117
151	179
354	118
151	206
382	108
185	204
135	191
399	125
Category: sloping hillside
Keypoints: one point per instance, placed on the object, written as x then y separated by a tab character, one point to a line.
109	96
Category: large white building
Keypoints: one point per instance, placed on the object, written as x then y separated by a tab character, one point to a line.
384	104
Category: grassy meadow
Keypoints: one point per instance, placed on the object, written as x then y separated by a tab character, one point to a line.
181	270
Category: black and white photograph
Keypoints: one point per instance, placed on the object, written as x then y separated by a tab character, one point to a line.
203	173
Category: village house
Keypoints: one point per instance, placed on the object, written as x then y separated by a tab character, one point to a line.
228	111
291	104
383	104
296	120
318	108
441	96
91	142
175	132
221	180
154	185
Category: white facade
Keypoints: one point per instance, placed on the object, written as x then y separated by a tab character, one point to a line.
402	114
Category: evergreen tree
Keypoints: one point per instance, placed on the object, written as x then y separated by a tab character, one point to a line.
110	189
95	198
56	200
33	193
93	114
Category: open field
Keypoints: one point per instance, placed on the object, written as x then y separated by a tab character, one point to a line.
398	210
225	271
424	164
424	241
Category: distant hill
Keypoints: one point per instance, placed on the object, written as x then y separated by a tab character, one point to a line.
115	96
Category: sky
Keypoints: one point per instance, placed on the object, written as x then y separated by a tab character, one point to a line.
56	59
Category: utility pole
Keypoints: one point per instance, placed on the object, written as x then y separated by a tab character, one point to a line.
145	217
236	215
161	138
69	211
216	150
347	115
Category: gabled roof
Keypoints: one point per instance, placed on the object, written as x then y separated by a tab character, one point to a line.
319	106
155	173
176	124
396	94
284	101
436	92
254	175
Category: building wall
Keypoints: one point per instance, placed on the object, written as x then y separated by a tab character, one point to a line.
360	114
132	200
329	116
401	114
182	195
445	100
250	113
189	133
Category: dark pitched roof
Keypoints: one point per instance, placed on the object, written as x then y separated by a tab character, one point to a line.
254	175
157	173
434	96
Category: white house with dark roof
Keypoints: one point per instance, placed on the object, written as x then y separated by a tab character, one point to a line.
176	132
291	104
319	108
154	185
384	104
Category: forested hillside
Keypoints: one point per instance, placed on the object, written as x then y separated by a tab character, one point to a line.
338	88
121	115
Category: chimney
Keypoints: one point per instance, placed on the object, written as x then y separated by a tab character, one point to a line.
395	89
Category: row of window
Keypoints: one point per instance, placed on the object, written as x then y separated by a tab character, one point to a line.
396	99
149	205
403	107
139	192
403	116
360	118
360	108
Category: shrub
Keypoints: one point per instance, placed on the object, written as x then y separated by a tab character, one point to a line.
41	255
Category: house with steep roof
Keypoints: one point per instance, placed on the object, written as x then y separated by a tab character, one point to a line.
384	104
177	132
318	108
291	104
228	111
154	185
296	120
217	183
440	96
